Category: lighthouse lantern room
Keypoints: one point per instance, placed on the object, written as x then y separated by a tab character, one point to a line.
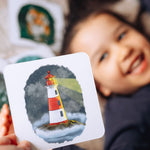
57	113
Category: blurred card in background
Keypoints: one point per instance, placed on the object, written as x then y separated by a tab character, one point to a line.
35	22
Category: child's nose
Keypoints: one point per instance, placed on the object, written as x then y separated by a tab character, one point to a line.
124	52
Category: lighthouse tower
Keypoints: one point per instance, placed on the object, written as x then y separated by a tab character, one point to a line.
57	113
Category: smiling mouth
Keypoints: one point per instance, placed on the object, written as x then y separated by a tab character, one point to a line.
138	65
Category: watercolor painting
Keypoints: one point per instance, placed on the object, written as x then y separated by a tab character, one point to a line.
54	104
36	24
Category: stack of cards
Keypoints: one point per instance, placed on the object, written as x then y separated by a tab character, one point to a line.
31	54
54	101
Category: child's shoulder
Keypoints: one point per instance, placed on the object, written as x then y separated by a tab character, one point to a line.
128	116
142	92
137	104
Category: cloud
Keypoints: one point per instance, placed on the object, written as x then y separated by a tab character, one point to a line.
43	120
36	90
61	135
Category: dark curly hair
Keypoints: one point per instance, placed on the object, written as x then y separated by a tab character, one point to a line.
75	20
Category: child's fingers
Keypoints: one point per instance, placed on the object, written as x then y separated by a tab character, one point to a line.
11	129
5	110
9	139
4	125
3	131
5	141
4	120
4	115
24	145
10	119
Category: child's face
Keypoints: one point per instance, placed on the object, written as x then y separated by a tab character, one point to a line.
120	56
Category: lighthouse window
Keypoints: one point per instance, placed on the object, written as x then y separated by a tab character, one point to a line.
56	92
58	103
61	113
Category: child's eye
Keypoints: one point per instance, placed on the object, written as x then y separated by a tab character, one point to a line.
103	56
121	36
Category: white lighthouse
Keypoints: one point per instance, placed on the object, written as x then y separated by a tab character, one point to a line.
57	113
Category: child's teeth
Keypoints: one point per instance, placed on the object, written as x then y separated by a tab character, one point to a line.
136	63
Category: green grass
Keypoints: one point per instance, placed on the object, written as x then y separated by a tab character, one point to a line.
69	124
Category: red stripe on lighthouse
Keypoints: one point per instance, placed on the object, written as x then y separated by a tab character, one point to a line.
54	103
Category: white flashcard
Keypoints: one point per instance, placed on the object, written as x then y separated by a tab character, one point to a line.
53	101
34	22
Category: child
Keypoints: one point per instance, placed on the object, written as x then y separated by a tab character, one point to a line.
120	59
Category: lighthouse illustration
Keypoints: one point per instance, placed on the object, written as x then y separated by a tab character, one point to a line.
57	113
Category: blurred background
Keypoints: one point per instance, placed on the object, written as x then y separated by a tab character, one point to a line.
22	39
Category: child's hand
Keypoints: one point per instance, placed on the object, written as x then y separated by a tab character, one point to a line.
6	126
9	142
